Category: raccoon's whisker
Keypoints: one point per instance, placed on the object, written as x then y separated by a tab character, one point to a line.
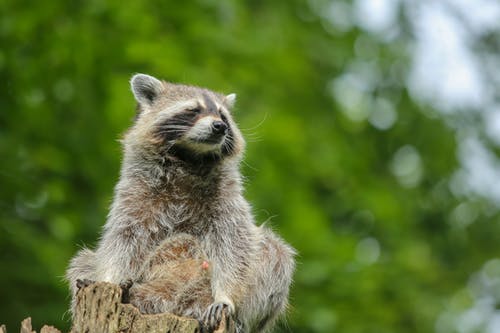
253	137
249	166
256	126
254	140
252	134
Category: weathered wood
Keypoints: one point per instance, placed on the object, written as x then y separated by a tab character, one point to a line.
99	310
49	329
26	326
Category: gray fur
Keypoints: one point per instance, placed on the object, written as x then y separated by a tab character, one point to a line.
145	88
160	196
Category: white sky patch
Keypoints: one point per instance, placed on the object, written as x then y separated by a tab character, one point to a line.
376	15
494	324
473	319
481	169
491	120
480	15
445	72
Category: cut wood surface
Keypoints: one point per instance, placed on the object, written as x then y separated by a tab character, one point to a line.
99	309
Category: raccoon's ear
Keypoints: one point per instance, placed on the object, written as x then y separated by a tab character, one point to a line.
229	100
145	88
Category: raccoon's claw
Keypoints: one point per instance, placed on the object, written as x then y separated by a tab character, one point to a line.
125	286
83	283
214	314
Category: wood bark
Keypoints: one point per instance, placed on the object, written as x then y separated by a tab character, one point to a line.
99	309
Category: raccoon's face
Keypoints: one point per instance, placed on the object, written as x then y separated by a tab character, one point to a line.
186	122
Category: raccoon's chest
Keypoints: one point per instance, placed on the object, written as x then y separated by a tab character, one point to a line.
191	213
189	202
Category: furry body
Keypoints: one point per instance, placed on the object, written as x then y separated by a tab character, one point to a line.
175	279
180	175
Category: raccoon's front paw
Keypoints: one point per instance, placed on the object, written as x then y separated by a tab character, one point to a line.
83	283
213	315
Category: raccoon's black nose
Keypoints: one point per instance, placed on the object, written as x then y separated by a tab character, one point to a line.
219	127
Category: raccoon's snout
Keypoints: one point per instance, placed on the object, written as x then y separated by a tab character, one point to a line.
208	131
219	127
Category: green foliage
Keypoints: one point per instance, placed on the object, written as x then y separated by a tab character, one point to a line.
379	246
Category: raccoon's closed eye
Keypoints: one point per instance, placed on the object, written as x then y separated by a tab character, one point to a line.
195	110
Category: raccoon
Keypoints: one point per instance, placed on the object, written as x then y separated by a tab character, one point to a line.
180	178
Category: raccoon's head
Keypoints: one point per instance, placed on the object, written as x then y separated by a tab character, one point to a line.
183	122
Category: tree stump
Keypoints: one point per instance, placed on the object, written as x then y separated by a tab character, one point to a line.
99	309
26	328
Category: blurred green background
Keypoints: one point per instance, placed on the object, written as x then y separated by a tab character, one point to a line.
383	181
